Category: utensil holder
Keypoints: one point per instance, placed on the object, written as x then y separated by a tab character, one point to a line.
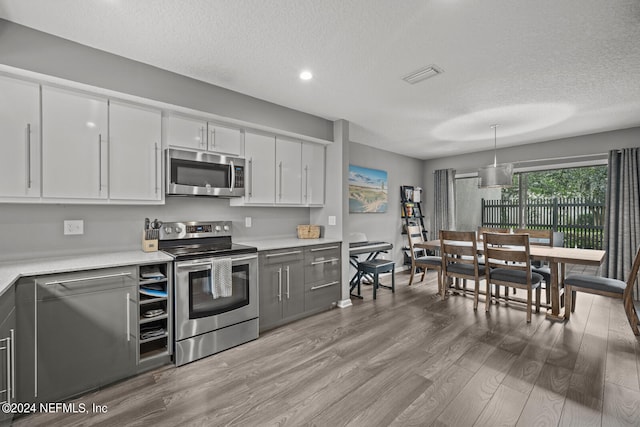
149	245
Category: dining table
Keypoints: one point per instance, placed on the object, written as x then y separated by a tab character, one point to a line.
555	257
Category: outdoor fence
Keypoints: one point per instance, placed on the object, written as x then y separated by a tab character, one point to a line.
581	220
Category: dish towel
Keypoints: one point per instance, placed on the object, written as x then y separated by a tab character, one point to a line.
221	281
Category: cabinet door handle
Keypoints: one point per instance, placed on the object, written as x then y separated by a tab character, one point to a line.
325	261
280	284
233	176
313	288
203	140
28	142
251	177
283	254
35	340
326	248
280	187
12	333
287	269
84	279
7	349
99	163
306	183
155	158
126	307
213	139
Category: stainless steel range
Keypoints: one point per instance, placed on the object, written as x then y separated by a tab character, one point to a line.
216	288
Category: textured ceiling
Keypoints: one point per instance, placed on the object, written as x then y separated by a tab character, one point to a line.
541	69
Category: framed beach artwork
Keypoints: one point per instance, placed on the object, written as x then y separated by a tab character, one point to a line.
367	190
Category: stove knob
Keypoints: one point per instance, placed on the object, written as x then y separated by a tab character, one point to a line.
167	230
218	228
226	228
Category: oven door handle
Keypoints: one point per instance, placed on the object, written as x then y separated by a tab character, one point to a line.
206	265
246	258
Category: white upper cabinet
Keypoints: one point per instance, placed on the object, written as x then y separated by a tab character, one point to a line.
185	132
74	145
224	140
313	173
135	154
200	135
20	136
260	175
288	171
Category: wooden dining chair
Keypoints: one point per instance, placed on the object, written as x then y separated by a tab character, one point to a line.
425	262
607	287
459	253
539	237
508	264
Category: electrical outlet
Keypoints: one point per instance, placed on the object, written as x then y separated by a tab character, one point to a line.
247	221
73	227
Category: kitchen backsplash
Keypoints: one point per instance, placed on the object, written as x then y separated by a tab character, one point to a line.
36	231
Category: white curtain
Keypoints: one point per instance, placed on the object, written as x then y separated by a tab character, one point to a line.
444	201
622	218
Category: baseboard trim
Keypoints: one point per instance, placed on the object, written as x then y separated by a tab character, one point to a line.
344	303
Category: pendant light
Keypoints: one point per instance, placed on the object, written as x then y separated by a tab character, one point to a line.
495	176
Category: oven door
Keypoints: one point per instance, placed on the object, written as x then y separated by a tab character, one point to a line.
198	312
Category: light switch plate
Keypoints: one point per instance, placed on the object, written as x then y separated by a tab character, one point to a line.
332	220
247	221
75	226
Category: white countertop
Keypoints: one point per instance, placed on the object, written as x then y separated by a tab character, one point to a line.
269	243
11	271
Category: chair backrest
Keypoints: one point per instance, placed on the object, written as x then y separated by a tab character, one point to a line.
482	230
537	237
458	247
631	280
414	235
510	251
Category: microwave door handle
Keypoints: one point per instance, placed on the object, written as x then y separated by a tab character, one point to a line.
233	177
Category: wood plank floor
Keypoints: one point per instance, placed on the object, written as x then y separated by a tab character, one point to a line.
406	359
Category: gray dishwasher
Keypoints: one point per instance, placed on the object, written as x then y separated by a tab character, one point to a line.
76	332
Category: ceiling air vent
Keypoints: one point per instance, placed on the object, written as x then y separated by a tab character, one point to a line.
422	74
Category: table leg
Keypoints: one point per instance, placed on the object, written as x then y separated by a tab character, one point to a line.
556	312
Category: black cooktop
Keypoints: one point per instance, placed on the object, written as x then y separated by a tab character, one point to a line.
202	248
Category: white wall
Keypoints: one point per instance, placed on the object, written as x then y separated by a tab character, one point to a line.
401	170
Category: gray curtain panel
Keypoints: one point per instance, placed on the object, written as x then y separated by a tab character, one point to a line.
444	201
622	218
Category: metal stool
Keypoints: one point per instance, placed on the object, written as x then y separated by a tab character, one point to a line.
375	267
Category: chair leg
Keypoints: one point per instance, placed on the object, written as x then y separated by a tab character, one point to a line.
547	292
424	271
573	300
475	295
413	273
488	298
529	303
393	280
375	284
538	295
569	295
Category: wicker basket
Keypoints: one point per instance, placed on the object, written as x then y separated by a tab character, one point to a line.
308	231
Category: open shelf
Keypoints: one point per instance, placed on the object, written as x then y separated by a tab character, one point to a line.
158	349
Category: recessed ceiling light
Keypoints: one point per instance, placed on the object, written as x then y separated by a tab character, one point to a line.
306	75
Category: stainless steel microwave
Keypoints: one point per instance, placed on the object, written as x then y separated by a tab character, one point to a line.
196	173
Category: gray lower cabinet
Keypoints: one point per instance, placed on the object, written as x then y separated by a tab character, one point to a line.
297	282
78	331
322	273
281	283
7	353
